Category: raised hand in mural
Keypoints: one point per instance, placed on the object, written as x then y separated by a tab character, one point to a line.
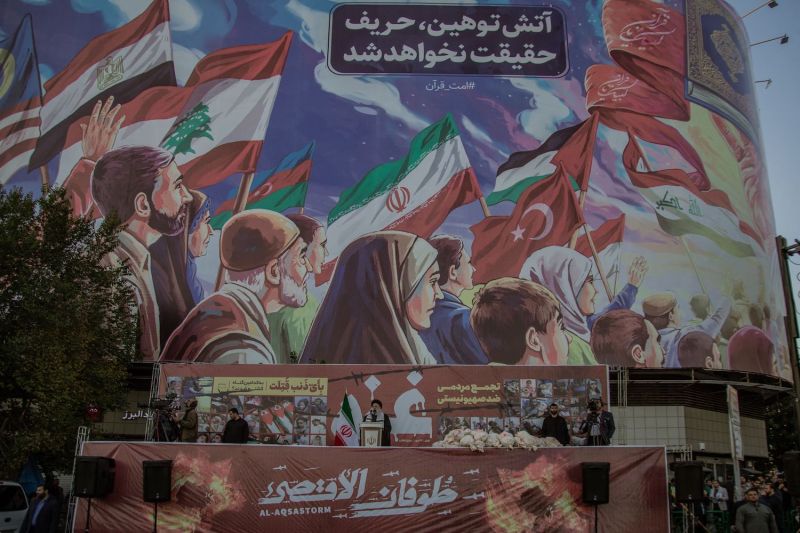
637	271
101	131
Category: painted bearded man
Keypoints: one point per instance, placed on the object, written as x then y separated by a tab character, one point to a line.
266	269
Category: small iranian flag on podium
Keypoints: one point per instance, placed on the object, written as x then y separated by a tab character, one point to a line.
343	427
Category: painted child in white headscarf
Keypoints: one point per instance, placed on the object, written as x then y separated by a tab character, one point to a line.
568	274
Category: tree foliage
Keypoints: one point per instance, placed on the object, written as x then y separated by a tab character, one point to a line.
67	327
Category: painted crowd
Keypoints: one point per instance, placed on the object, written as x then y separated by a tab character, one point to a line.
394	297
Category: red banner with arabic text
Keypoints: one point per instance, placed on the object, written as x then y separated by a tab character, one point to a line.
296	404
233	487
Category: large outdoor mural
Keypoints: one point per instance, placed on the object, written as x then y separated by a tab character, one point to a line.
308	181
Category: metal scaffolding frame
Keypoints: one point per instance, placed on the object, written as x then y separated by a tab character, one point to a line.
83	436
154	382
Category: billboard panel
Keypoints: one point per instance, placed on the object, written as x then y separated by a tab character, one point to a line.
291	404
360	183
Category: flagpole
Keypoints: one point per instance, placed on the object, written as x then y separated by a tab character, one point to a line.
694	267
45	176
238	207
597	262
581	201
485	207
646	163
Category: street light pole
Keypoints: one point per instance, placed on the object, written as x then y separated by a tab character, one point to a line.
770	3
784	252
783	38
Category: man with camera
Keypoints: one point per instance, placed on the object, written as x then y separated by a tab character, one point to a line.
376	414
188	423
598	428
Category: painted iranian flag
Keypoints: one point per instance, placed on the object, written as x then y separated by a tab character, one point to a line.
343	427
413	194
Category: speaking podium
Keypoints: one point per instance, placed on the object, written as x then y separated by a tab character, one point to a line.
371	434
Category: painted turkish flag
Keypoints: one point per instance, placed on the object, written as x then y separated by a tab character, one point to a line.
546	214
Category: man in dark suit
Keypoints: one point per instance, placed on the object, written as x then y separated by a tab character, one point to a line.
42	515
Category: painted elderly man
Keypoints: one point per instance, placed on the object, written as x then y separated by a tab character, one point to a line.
266	270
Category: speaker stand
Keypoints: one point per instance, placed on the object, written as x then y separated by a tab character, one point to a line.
155	516
88	516
595	518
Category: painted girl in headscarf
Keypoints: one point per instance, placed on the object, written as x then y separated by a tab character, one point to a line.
568	274
382	293
200	233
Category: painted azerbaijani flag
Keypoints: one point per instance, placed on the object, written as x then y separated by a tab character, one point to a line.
277	189
344	427
413	194
572	147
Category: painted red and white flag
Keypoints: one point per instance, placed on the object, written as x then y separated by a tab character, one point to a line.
608	242
215	125
121	63
413	194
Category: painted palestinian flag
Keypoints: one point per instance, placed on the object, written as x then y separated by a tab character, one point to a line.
277	189
572	147
343	427
413	194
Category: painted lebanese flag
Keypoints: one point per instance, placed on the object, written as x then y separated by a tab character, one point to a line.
215	125
222	126
414	194
120	63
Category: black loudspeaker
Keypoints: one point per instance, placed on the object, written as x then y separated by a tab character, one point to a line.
94	477
688	481
156	481
791	472
595	482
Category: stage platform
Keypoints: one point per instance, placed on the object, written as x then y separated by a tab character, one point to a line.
242	488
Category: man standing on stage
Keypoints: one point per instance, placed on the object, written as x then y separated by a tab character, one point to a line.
188	423
607	420
755	517
555	426
236	429
376	414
